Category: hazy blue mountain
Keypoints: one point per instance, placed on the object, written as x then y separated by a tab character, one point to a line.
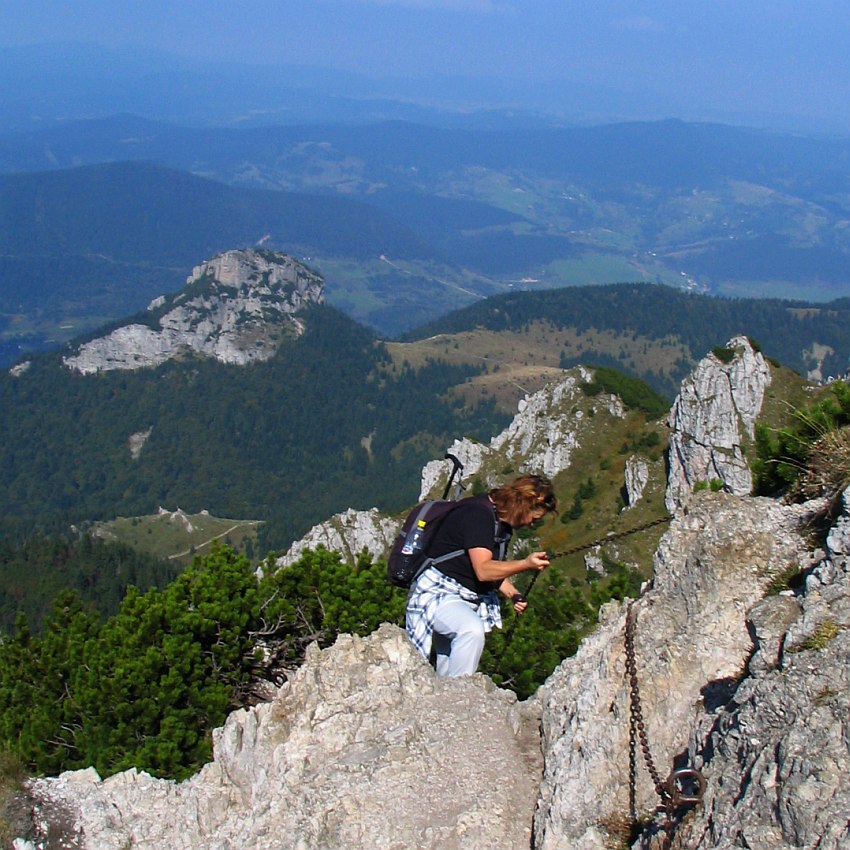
710	208
58	83
84	246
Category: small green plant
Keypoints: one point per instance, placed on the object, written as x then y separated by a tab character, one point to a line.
810	456
785	580
715	485
826	632
724	355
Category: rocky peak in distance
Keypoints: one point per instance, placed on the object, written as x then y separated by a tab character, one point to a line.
236	307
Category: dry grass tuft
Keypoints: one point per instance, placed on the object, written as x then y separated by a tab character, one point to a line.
828	468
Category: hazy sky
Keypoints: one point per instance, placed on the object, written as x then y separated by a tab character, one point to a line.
770	56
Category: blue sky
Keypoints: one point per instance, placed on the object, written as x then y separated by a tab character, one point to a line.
769	57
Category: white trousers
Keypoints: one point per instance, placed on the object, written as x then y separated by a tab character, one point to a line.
458	639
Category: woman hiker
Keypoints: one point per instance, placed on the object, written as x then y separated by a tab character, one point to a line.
454	603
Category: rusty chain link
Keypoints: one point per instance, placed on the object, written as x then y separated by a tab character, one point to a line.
670	793
609	538
602	540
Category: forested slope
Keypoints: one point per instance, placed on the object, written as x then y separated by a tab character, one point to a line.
325	425
790	332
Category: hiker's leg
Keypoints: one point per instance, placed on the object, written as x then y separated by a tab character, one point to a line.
459	638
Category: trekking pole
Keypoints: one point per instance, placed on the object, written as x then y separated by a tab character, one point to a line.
456	465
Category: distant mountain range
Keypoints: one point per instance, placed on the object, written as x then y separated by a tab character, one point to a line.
408	222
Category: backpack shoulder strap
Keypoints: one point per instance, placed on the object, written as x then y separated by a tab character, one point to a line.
500	539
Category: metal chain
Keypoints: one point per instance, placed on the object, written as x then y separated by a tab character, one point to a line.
609	538
637	727
671	794
602	540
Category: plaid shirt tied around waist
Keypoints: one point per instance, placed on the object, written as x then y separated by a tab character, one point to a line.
430	591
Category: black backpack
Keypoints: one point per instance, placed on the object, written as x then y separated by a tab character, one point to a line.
408	558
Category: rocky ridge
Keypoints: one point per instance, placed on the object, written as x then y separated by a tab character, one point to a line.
709	421
349	533
365	748
715	411
544	435
235	307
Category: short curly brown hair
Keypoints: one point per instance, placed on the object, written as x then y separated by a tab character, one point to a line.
523	495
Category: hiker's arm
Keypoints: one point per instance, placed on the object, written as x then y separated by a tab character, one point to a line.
508	588
486	568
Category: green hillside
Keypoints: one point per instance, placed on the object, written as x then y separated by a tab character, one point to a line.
85	246
655	332
327	424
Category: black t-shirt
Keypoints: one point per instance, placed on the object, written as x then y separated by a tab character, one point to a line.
472	525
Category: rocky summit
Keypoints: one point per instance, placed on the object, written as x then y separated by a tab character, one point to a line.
366	748
741	676
236	307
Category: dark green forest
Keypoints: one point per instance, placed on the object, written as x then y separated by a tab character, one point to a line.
146	686
36	571
782	328
323	426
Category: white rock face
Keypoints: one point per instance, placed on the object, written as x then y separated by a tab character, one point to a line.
692	641
541	438
715	409
637	477
348	533
137	442
363	749
232	309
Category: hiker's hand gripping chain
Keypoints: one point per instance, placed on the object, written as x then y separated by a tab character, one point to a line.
537	561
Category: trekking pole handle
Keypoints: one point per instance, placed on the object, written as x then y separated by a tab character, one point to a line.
456	465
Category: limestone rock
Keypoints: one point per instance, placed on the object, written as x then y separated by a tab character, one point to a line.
692	641
637	477
541	438
366	748
714	412
348	533
775	757
234	308
363	748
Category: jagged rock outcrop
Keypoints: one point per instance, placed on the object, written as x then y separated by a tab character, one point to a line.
693	643
235	308
636	479
714	412
349	533
363	748
542	437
